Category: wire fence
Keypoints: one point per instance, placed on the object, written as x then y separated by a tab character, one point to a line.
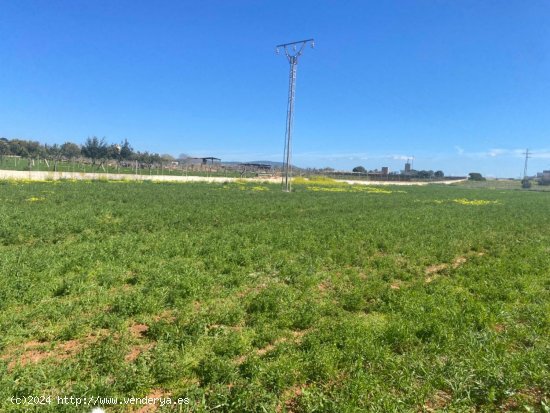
130	168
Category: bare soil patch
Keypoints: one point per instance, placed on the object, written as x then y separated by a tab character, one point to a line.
139	330
439	401
433	271
153	394
37	351
135	351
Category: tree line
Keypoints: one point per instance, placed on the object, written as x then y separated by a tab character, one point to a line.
423	174
95	149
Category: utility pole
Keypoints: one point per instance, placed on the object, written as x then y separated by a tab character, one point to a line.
296	50
525	182
526	153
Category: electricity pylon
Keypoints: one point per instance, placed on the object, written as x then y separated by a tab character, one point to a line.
296	51
525	181
527	156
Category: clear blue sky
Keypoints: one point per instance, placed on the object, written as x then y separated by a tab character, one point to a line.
461	85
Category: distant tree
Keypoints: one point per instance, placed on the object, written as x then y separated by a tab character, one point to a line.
54	152
113	152
34	149
142	157
18	148
148	159
95	149
4	149
26	149
476	176
126	151
424	174
183	156
359	169
439	174
70	150
155	159
166	157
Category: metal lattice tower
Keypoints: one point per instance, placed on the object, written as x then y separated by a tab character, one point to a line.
296	51
527	156
525	183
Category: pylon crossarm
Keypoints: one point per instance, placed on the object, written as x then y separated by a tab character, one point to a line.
296	54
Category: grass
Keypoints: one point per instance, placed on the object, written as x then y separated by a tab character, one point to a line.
502	184
246	299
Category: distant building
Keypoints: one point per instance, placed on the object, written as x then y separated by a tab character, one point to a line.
407	167
261	169
202	163
385	170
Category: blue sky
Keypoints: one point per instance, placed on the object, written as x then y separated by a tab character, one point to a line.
460	85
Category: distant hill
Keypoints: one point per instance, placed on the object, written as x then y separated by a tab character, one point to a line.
273	164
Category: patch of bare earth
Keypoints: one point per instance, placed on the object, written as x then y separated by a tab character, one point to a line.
28	357
433	271
499	327
271	346
265	350
138	331
297	335
34	344
153	396
395	285
439	401
36	351
166	315
458	261
530	397
289	398
324	286
509	405
135	351
296	338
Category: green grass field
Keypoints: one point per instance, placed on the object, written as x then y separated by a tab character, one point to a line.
501	184
242	298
